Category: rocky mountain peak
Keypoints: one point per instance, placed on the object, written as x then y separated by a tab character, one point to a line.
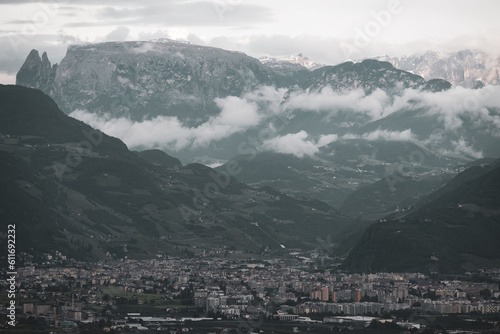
33	59
45	60
37	72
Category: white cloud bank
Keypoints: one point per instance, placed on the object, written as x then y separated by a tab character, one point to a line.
455	110
301	143
237	114
450	106
328	100
292	143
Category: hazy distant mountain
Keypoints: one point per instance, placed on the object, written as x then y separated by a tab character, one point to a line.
368	75
455	230
468	68
70	188
295	61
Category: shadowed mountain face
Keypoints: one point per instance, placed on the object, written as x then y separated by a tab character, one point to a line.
70	188
453	230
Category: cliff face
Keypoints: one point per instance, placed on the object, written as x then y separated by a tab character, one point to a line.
142	79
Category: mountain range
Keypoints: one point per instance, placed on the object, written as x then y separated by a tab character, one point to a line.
467	68
331	149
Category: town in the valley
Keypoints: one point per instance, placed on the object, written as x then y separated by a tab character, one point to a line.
231	293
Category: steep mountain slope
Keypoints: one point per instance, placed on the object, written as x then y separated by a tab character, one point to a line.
160	158
70	188
468	68
454	230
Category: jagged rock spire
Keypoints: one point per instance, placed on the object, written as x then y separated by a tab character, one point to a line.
36	72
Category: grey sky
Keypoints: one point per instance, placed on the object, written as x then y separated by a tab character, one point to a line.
326	31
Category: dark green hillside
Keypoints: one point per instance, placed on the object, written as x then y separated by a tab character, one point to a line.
29	112
70	188
455	230
395	192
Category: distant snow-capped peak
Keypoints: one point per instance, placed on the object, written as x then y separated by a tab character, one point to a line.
467	68
298	59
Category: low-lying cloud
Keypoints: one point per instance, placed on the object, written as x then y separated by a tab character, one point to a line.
297	144
328	100
461	148
237	114
459	107
301	143
453	115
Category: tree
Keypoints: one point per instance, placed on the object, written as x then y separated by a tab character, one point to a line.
486	293
374	324
440	327
186	297
430	294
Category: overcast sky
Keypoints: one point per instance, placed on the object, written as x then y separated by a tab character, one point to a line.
326	31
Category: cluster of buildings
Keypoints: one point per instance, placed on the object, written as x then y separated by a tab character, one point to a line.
377	293
284	289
